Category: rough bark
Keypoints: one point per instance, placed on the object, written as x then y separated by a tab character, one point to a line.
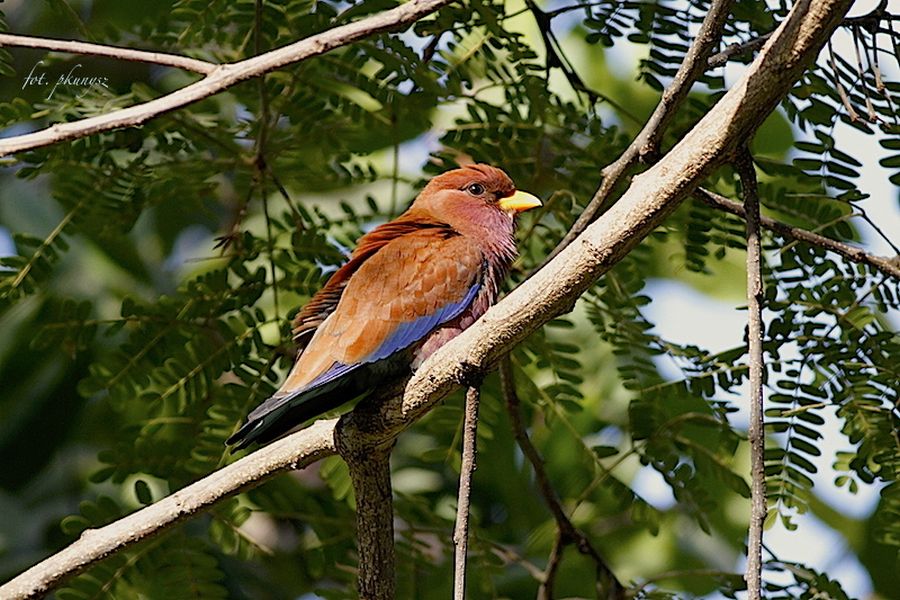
368	457
466	469
370	471
757	436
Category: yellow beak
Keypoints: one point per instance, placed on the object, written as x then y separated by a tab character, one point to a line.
519	202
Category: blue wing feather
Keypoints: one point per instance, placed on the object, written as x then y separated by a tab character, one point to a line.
402	337
413	331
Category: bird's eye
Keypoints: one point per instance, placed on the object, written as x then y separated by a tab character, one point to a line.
476	189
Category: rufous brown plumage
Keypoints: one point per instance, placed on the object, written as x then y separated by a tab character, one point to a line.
410	286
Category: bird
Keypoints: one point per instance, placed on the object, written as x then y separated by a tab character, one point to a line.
410	286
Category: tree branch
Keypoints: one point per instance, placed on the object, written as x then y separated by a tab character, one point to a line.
371	475
545	590
370	472
368	456
721	58
466	468
548	293
650	198
646	144
293	452
756	435
608	585
557	58
888	266
157	58
227	75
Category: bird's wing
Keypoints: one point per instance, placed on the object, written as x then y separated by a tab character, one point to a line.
325	301
393	299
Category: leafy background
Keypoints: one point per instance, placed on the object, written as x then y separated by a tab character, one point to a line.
150	275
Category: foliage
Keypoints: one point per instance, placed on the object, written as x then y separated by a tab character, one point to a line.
147	300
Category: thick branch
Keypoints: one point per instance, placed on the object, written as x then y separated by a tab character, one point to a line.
371	477
370	471
293	452
158	58
646	144
608	585
757	436
550	292
466	469
368	456
227	75
888	266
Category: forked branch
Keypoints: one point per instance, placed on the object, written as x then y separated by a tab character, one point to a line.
227	75
888	266
646	144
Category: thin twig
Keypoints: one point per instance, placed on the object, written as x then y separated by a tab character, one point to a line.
259	162
721	58
430	48
870	21
747	171
879	82
270	246
888	266
558	59
298	218
607	583
158	58
873	17
545	590
870	109
646	145
845	100
865	217
467	467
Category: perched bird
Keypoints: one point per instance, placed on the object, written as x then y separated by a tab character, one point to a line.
410	286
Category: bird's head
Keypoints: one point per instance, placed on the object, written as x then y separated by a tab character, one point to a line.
474	194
